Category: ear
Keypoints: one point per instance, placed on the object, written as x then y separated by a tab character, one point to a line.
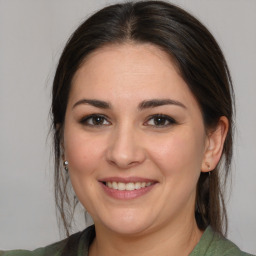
214	145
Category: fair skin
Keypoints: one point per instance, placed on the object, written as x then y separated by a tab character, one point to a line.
132	119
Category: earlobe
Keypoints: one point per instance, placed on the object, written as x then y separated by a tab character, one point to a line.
215	143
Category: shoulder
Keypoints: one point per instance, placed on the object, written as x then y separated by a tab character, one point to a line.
73	245
53	250
214	244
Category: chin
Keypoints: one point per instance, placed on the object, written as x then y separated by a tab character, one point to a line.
126	224
129	229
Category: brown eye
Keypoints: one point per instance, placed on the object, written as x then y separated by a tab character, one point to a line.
95	120
160	121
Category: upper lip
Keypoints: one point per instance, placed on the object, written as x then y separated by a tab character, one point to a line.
127	179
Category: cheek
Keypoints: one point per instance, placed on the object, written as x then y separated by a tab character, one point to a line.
179	153
82	152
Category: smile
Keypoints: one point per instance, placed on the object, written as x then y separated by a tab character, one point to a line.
127	188
130	186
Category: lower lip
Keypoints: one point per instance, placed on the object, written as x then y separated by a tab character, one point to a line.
126	194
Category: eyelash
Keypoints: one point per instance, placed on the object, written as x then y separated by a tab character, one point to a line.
164	118
85	120
90	120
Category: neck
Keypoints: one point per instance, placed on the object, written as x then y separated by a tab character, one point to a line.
168	241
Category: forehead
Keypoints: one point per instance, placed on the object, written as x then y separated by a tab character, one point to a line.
137	71
131	51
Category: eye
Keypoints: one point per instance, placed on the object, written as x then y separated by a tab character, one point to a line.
95	120
160	121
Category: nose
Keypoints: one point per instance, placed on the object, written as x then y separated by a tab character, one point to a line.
125	149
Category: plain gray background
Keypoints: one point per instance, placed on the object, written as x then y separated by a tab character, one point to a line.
32	36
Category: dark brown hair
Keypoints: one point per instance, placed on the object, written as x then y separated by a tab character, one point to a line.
200	62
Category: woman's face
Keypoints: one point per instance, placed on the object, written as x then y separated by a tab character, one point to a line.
134	138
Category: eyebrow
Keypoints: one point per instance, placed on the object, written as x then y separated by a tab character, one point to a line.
159	102
143	105
95	103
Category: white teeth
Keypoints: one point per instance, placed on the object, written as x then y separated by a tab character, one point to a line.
130	186
127	186
121	186
137	185
109	184
114	185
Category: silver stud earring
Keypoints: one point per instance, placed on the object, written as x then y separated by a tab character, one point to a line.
66	165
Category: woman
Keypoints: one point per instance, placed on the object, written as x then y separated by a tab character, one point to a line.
142	118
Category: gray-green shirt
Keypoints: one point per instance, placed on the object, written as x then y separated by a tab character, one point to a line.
210	244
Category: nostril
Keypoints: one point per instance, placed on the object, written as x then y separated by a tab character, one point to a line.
132	163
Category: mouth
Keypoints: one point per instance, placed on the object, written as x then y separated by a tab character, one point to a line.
129	186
